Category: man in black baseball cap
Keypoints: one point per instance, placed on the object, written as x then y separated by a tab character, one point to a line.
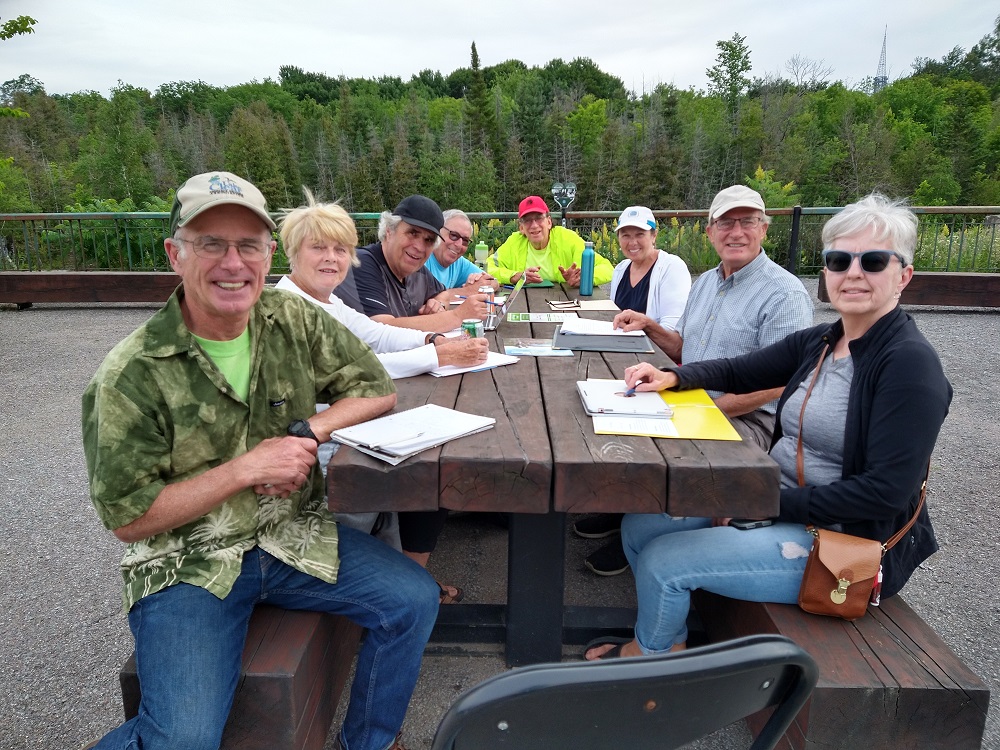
392	283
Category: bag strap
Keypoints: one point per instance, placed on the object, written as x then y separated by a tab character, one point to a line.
920	504
800	460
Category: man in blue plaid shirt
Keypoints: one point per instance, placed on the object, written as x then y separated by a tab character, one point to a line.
745	303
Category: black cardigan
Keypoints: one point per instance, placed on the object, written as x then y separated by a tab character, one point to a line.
898	400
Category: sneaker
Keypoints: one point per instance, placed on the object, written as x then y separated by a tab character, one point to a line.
599	526
609	560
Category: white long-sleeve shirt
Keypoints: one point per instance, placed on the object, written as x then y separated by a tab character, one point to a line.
668	288
401	351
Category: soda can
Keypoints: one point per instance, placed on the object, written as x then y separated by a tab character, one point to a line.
474	328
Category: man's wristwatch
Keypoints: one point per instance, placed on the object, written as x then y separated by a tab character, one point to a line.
301	428
434	337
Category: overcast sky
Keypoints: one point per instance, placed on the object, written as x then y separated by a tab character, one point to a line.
79	46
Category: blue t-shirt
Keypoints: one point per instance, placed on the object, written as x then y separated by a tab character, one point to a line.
454	275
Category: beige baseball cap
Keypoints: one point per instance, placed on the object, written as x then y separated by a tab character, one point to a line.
737	196
205	191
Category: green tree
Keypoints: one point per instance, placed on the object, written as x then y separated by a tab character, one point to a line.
728	77
258	146
115	155
15	191
481	111
8	30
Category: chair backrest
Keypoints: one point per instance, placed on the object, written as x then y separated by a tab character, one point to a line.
650	702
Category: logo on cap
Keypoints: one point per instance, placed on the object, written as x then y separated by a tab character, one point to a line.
223	186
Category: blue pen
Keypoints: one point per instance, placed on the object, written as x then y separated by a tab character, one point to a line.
631	391
488	302
509	286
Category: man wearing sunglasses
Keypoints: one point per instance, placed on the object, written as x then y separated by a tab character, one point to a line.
392	281
745	303
448	264
542	252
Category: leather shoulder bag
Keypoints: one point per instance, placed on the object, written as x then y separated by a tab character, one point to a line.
842	570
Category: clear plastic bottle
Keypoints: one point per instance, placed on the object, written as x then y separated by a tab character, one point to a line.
587	270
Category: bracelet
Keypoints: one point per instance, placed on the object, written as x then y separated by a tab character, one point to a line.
434	337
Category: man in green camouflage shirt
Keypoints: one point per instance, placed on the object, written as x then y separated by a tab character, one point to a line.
200	432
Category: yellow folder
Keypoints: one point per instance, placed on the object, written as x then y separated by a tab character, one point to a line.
696	417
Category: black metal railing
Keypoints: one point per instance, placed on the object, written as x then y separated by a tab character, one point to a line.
953	238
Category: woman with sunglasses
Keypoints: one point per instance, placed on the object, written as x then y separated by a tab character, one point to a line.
867	429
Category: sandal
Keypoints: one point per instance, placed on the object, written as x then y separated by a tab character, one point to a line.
607	640
449	598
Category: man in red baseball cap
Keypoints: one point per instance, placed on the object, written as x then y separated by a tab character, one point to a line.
542	252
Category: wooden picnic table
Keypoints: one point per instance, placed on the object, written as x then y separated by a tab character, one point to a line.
542	461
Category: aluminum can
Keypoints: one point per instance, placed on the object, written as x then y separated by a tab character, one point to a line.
474	328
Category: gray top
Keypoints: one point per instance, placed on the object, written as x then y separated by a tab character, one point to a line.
822	427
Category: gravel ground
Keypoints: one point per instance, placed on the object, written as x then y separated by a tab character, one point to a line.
66	638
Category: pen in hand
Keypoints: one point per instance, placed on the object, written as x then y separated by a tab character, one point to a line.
631	391
485	301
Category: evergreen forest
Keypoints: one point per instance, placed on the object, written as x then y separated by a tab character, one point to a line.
481	138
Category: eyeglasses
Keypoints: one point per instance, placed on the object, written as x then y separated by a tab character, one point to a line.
456	237
872	261
747	222
217	247
529	220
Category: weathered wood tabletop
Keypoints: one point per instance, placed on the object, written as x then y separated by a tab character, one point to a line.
541	461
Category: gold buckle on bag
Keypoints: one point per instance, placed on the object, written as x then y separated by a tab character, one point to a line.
839	594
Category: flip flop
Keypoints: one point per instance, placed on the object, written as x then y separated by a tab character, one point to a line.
606	640
449	598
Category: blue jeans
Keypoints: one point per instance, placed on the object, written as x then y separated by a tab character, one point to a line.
188	645
671	557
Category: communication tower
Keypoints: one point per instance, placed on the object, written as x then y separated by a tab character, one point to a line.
881	77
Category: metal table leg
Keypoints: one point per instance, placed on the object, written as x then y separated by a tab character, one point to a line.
535	552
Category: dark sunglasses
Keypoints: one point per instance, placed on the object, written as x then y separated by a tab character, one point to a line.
456	237
872	261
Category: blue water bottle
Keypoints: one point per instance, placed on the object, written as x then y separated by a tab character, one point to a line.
587	270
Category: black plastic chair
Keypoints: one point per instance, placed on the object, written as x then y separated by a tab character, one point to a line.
650	702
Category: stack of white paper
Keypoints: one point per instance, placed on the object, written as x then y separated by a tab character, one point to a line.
396	437
493	359
588	327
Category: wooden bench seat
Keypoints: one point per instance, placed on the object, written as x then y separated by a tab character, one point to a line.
943	288
295	665
887	681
